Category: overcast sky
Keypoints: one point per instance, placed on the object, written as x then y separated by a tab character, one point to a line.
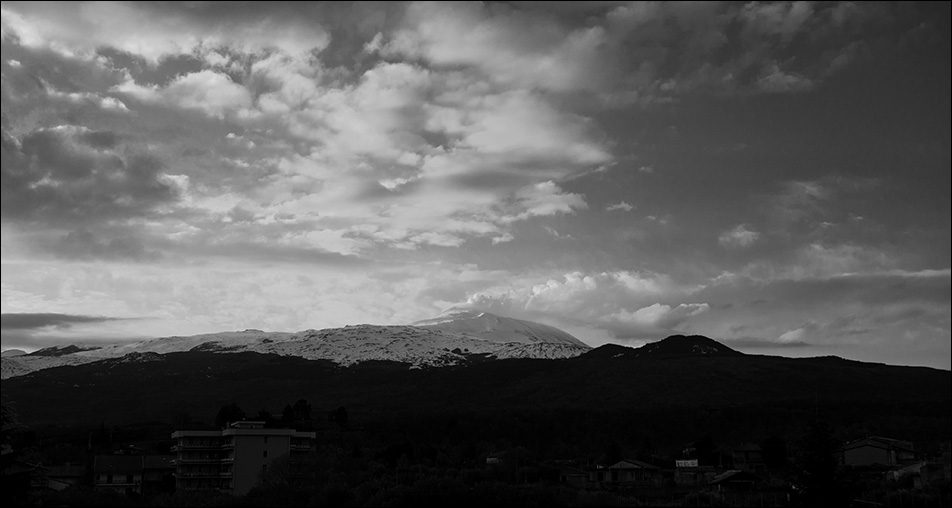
775	176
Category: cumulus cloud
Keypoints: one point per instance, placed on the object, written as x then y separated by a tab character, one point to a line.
626	305
153	31
791	336
637	53
212	92
70	174
658	317
354	135
409	157
513	47
106	103
776	80
738	236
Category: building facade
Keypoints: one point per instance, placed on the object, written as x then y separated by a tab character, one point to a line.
232	460
879	451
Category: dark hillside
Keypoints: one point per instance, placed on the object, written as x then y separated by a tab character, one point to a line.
666	398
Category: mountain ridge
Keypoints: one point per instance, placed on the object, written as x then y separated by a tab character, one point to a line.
434	344
496	328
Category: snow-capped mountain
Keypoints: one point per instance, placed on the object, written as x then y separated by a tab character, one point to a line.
497	328
453	338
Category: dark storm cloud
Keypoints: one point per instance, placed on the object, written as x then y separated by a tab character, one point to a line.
72	175
33	321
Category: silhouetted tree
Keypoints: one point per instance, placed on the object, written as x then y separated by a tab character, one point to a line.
339	417
229	413
265	416
14	483
302	410
9	422
817	469
287	415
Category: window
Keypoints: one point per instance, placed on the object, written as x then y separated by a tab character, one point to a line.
129	478
108	478
264	453
266	440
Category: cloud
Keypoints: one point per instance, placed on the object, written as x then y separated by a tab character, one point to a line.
409	157
552	231
106	103
33	321
209	91
658	318
621	205
153	31
757	343
71	174
515	48
626	305
632	53
31	331
775	80
782	19
739	237
505	237
792	336
888	310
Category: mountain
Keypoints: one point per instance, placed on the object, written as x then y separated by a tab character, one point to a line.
467	337
586	399
677	346
62	350
491	327
8	353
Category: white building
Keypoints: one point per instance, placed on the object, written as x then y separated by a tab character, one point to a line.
231	460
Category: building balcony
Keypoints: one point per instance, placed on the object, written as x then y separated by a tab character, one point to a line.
194	446
204	460
301	447
198	474
227	460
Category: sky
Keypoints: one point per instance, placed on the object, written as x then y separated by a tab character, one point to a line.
775	176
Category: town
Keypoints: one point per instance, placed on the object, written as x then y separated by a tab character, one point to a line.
328	460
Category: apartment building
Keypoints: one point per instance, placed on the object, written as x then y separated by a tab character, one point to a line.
231	460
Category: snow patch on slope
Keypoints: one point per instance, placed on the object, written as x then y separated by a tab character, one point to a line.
495	328
452	342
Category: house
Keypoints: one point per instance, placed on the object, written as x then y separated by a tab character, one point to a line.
749	457
688	472
573	477
933	473
122	473
63	476
734	480
626	473
877	450
232	459
495	458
